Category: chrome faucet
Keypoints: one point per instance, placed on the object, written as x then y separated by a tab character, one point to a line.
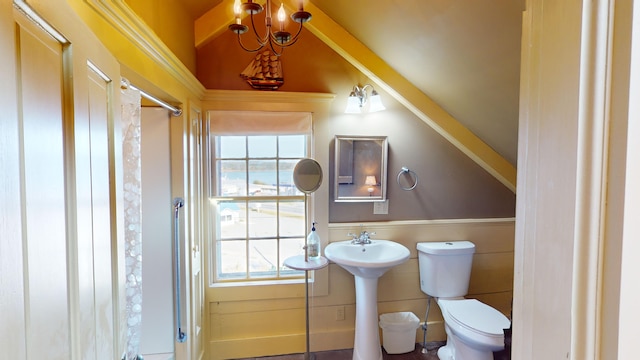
362	239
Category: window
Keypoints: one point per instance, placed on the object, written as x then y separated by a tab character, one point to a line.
258	214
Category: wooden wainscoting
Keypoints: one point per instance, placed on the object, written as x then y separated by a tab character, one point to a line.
274	324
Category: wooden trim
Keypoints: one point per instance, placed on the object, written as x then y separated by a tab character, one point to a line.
220	99
124	20
593	154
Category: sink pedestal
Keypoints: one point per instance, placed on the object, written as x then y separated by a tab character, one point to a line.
367	338
367	262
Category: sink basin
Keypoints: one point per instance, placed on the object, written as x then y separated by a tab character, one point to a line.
367	263
369	260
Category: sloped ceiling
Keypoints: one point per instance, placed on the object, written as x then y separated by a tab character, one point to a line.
463	56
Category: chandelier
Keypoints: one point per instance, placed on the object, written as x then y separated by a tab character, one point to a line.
275	39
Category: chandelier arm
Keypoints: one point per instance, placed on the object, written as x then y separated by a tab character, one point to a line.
295	37
293	40
275	52
262	40
246	48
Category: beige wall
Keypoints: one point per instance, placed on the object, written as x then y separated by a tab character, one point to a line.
262	324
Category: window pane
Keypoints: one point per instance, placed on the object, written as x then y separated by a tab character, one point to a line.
292	146
262	178
262	219
288	248
262	146
233	178
292	218
232	219
263	258
232	146
232	259
287	187
259	215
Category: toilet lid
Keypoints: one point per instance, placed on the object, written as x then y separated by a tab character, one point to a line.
474	315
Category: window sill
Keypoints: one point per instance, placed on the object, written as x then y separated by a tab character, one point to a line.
274	289
229	284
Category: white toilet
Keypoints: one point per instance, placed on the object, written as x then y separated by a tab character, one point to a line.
474	330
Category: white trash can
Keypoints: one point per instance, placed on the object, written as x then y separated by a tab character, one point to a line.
399	332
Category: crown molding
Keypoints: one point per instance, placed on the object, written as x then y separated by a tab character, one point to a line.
248	100
120	16
272	96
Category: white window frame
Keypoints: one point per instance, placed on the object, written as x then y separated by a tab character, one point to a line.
248	123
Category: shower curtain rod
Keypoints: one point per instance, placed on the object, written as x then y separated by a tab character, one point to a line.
176	111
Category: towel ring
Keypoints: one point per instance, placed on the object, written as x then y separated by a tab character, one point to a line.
404	171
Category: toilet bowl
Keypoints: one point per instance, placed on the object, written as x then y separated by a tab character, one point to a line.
474	330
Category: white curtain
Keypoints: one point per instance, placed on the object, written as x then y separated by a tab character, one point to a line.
130	100
259	122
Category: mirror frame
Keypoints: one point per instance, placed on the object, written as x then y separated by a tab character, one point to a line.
351	153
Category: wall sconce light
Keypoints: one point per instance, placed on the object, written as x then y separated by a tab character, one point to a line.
359	97
370	181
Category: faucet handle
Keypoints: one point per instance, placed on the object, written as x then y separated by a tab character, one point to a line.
352	235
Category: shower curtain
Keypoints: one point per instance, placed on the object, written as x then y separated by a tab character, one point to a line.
130	102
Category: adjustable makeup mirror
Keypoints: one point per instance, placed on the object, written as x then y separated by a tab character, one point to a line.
307	175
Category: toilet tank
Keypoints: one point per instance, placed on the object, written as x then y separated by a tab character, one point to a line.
445	268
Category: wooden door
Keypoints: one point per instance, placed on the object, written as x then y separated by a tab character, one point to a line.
61	242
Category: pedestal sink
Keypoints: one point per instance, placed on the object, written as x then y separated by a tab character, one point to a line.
367	262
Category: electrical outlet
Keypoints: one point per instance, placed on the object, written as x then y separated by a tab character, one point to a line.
340	313
381	207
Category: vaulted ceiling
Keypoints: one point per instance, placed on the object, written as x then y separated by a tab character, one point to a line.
462	55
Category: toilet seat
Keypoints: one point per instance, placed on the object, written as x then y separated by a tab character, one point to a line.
476	319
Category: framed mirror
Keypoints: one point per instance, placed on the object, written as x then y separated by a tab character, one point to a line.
360	168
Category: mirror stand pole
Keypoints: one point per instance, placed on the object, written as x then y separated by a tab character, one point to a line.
307	355
306	218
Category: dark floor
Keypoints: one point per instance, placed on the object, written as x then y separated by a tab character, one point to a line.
347	354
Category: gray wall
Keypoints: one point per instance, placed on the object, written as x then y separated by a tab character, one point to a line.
450	184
